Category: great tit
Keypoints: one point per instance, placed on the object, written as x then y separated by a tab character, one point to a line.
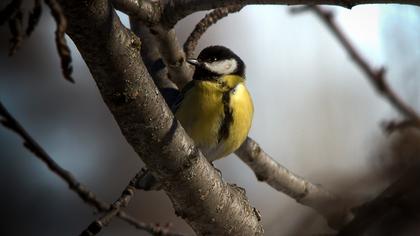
216	108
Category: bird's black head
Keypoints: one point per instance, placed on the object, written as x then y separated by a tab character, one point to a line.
215	61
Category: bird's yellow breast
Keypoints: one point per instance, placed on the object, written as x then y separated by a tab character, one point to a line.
202	113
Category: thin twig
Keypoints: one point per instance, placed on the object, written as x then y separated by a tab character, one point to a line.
14	15
34	17
16	29
116	207
86	195
153	229
60	40
39	152
116	210
205	23
397	125
9	10
375	76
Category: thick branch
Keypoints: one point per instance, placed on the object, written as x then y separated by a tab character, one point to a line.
177	10
144	10
168	13
277	176
195	188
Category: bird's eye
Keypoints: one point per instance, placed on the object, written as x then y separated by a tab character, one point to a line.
213	59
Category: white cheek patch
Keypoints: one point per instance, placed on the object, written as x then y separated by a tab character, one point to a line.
222	67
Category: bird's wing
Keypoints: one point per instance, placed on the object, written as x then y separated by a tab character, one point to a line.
170	95
178	100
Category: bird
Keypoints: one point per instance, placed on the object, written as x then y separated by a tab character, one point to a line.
215	107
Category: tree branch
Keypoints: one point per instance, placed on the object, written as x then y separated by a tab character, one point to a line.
177	10
86	195
151	55
375	77
16	29
406	188
115	208
60	40
400	196
277	176
13	13
149	11
168	13
34	17
173	56
9	10
195	188
205	23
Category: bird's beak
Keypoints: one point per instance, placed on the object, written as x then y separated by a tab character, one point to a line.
193	62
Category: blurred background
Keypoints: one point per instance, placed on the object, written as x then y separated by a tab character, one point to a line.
316	114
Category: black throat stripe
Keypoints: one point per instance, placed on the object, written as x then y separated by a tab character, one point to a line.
228	119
